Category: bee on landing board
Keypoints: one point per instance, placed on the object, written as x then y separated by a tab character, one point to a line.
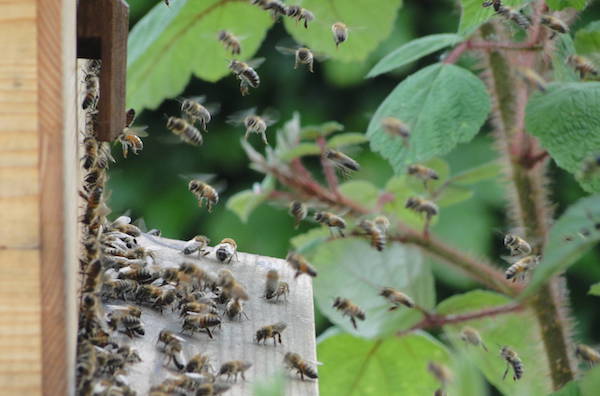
253	122
294	361
196	244
271	331
233	368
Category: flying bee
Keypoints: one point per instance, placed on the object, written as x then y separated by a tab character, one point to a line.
583	65
440	372
340	33
554	24
204	192
300	14
394	127
271	331
517	246
303	56
343	162
471	336
92	90
194	323
299	211
196	244
130	136
230	42
396	298
512	360
331	221
521	267
235	309
233	368
348	308
185	130
275	7
423	173
253	122
421	205
587	354
382	223
193	110
226	250
378	239
300	265
532	78
295	362
511	14
246	74
198	363
495	3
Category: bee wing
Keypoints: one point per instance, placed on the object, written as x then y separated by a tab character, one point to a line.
285	50
141	224
129	117
205	177
117	307
213	108
271	116
238	117
200	98
137	130
255	63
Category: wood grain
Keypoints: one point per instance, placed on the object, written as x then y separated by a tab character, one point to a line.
235	341
20	324
102	29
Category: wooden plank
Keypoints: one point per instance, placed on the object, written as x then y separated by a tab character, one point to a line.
102	29
235	341
20	325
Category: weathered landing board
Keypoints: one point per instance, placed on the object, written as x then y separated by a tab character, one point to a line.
235	340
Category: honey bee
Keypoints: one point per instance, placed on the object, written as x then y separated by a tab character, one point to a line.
521	267
233	368
138	274
532	78
199	363
230	42
298	211
92	277
246	74
394	127
276	7
495	3
378	239
272	284
587	354
471	336
90	148
348	308
119	288
340	33
421	205
165	300
204	192
440	372
253	122
192	111
130	136
514	15
197	307
518	246
212	389
174	352
271	331
300	14
344	163
196	244
235	309
423	173
583	65
226	250
282	290
396	298
382	223
512	360
194	323
92	90
295	362
554	24
129	320
185	130
303	56
300	265
331	221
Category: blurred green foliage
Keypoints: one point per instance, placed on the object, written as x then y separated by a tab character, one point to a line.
149	185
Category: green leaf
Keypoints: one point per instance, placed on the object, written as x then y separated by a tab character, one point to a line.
590	383
567	122
274	385
564	48
244	202
347	139
413	51
368	26
595	289
393	366
307	242
473	14
361	191
443	105
351	268
301	150
562	4
519	330
400	189
587	41
326	129
453	195
560	253
570	389
482	172
171	43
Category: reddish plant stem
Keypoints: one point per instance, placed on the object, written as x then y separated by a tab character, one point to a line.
328	170
431	321
455	54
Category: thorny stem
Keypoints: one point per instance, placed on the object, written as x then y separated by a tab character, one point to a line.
431	321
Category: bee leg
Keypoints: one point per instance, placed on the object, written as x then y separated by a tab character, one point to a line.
341	233
505	372
296	64
247	134
264	138
310	67
244	313
353	322
209	333
301	375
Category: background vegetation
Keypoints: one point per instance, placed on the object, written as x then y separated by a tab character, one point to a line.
148	186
